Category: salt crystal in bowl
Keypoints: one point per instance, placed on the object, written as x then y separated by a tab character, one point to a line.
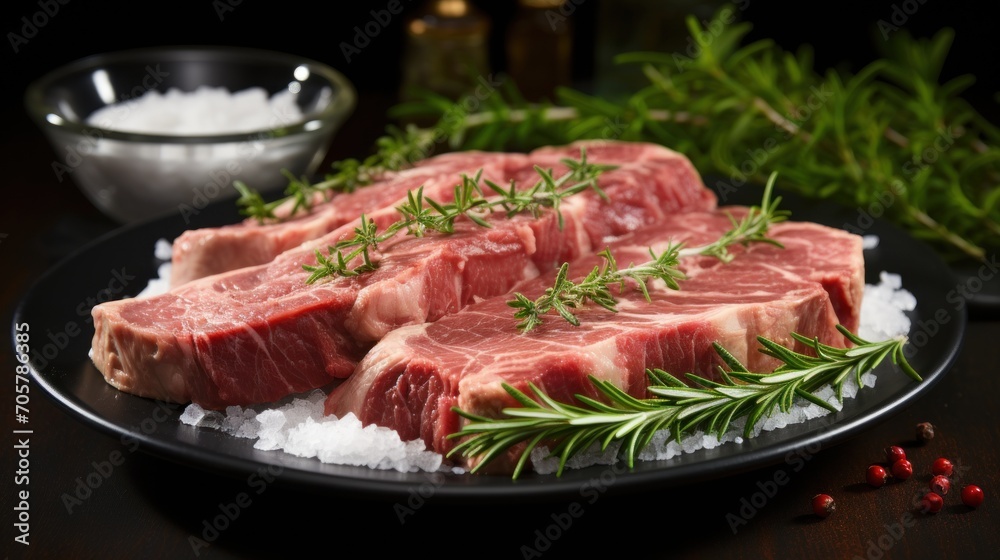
164	130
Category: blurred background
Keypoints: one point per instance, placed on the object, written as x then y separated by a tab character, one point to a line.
383	46
513	36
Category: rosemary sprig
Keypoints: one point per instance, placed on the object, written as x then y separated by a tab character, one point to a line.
550	192
751	229
676	407
397	149
253	204
564	294
365	239
470	201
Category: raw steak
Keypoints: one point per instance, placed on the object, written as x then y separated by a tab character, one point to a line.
260	333
202	252
410	380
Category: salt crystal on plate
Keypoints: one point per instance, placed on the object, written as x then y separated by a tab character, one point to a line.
163	250
192	414
195	415
884	307
271	436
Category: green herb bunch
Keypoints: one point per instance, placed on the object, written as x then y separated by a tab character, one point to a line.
890	140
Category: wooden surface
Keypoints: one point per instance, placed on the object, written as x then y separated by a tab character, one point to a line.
151	508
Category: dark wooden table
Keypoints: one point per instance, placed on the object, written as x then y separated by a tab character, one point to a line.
152	508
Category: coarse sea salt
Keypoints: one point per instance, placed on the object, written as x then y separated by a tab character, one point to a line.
883	308
204	111
300	428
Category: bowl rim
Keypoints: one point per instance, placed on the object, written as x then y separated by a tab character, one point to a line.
338	109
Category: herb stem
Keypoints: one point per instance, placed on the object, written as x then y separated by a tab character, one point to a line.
958	241
776	118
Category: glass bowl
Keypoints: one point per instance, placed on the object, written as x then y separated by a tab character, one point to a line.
133	176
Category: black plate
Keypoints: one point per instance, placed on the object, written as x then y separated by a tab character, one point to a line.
60	303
